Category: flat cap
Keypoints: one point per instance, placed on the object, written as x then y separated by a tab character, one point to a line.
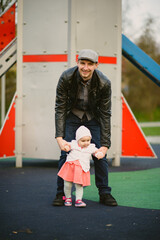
88	54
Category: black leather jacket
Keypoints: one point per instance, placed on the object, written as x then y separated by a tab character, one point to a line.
99	98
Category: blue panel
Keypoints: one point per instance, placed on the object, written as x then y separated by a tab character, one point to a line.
141	60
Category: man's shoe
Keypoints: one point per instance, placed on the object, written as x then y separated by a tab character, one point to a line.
59	200
108	199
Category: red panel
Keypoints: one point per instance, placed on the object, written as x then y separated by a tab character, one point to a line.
105	60
7	136
7	27
63	58
45	58
133	140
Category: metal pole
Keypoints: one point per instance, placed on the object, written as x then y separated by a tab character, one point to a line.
3	99
118	101
19	100
71	32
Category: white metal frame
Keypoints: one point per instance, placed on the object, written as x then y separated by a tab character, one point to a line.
19	100
117	125
3	99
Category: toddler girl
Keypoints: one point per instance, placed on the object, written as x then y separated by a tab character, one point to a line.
77	165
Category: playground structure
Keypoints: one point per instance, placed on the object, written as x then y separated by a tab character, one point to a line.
49	39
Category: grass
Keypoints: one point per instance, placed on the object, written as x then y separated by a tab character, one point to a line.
150	116
151	131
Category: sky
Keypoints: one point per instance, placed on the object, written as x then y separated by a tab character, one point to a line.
136	14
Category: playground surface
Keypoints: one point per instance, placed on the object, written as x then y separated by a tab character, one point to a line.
26	211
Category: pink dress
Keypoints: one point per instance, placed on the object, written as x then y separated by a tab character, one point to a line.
77	165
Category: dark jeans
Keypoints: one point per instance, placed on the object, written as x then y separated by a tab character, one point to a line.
101	166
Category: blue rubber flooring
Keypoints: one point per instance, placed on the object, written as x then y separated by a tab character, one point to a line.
26	211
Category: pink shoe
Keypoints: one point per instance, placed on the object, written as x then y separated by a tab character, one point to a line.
68	202
80	203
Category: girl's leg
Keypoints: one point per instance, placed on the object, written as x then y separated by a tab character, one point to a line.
79	191
79	195
67	189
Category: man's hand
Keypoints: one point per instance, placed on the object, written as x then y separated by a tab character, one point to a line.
64	145
103	151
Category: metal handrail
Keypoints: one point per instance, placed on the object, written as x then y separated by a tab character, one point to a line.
8	7
8	57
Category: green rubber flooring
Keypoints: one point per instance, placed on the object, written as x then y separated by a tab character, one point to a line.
140	189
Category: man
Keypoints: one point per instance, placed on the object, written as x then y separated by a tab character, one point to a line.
83	97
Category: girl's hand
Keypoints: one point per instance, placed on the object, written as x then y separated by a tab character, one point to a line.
99	155
103	151
67	148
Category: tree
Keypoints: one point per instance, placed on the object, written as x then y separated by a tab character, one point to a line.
141	93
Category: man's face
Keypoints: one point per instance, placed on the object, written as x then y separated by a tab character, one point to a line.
86	69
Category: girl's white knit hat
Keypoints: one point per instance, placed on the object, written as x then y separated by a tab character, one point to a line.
82	132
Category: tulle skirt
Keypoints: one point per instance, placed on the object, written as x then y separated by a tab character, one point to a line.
72	172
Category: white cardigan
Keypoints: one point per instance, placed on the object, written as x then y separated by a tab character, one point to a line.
81	154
